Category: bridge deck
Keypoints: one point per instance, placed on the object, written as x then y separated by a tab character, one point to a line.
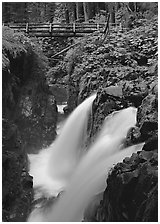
57	29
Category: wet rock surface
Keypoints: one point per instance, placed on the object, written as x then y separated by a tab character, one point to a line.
132	190
17	191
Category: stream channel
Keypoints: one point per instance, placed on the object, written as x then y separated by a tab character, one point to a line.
61	117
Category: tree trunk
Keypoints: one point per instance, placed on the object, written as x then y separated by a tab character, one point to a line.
111	7
131	6
85	11
135	6
96	7
90	9
79	10
74	12
117	6
67	16
113	17
6	12
66	13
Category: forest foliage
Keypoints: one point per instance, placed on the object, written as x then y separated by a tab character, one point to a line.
74	11
123	53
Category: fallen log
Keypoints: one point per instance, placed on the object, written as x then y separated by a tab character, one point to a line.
66	49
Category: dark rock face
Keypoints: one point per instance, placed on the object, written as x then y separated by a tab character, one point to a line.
132	189
17	191
107	100
38	126
148	116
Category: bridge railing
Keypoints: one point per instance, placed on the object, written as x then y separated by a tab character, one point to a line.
58	29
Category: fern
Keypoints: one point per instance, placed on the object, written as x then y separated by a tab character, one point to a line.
13	43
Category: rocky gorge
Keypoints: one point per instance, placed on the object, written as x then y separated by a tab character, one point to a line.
123	70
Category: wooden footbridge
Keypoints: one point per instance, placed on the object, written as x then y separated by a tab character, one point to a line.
58	29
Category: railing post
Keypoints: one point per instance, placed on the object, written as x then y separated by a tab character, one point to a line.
98	26
74	27
27	28
50	28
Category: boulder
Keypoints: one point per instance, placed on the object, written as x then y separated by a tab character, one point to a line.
132	189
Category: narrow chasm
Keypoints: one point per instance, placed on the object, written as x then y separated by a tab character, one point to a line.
69	70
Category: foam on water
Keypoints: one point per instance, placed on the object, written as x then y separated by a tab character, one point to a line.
61	106
44	185
52	167
83	175
67	148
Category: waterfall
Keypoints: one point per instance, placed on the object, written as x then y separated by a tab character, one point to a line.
52	167
85	173
67	148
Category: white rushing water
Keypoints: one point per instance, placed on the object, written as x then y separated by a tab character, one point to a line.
60	122
67	148
61	106
65	166
52	166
